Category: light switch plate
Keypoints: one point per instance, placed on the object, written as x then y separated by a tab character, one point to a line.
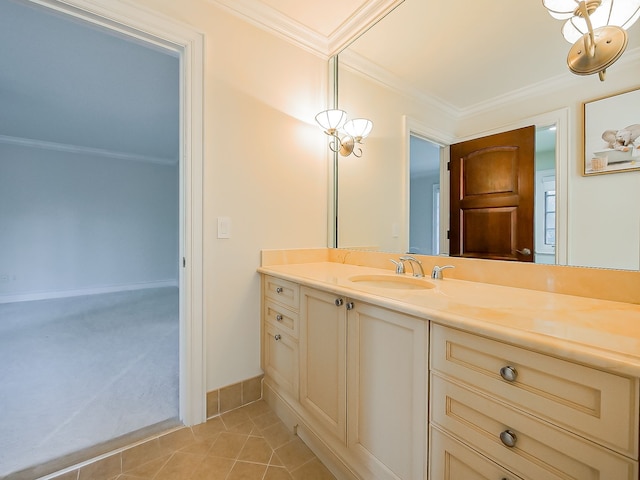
224	227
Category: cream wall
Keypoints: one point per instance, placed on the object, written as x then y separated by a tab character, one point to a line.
603	226
265	167
373	202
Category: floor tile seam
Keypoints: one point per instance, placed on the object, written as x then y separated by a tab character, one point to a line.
254	462
313	459
230	470
281	464
164	464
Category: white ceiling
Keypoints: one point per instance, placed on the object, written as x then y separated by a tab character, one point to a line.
72	85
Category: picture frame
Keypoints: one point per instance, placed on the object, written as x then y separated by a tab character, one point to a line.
611	133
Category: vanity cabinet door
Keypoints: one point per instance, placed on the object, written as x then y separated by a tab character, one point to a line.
280	359
323	352
387	391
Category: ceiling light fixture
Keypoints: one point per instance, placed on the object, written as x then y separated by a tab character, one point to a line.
596	28
334	122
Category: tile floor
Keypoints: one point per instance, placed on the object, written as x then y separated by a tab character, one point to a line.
249	443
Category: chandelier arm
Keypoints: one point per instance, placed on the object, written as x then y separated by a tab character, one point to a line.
589	40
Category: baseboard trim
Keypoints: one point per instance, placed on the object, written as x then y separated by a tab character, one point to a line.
329	450
28	297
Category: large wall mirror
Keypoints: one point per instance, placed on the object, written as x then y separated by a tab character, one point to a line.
431	74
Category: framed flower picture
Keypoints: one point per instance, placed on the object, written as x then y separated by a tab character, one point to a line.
612	133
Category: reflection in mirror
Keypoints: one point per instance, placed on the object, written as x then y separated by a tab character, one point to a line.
443	98
424	196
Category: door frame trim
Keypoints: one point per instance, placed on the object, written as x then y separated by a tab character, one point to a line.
411	126
150	27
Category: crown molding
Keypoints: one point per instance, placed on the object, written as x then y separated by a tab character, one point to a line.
358	23
562	81
267	18
76	149
350	61
353	62
259	14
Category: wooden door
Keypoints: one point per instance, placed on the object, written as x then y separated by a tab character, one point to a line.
492	188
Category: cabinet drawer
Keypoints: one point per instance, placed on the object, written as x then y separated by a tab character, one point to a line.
540	450
280	357
598	405
281	318
282	291
452	460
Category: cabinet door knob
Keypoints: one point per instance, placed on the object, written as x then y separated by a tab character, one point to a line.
508	438
277	337
279	290
339	302
350	306
279	317
509	373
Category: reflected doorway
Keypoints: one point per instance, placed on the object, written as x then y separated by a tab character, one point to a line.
424	196
544	222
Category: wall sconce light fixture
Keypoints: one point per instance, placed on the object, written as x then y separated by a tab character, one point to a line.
596	28
334	122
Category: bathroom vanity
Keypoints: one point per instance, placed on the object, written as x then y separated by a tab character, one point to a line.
391	376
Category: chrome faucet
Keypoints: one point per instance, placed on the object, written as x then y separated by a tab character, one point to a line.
436	273
414	261
399	266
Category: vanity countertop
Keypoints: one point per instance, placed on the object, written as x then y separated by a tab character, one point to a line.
600	333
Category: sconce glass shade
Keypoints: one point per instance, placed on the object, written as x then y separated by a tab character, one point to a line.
358	128
561	9
331	120
618	13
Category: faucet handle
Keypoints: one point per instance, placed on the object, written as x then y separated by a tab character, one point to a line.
436	273
399	265
412	260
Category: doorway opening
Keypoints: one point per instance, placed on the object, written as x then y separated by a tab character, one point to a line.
545	195
424	196
150	177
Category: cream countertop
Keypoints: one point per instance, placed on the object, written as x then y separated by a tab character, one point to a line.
600	333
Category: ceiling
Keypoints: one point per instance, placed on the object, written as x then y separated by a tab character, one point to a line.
70	86
324	27
463	55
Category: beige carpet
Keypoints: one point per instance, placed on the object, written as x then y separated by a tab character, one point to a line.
79	371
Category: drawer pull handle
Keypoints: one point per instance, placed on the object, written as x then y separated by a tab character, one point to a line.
509	373
350	306
279	290
508	438
279	317
277	337
339	302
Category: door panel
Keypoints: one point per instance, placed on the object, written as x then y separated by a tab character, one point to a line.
500	221
492	186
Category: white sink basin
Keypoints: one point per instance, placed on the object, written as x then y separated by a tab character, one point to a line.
392	281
